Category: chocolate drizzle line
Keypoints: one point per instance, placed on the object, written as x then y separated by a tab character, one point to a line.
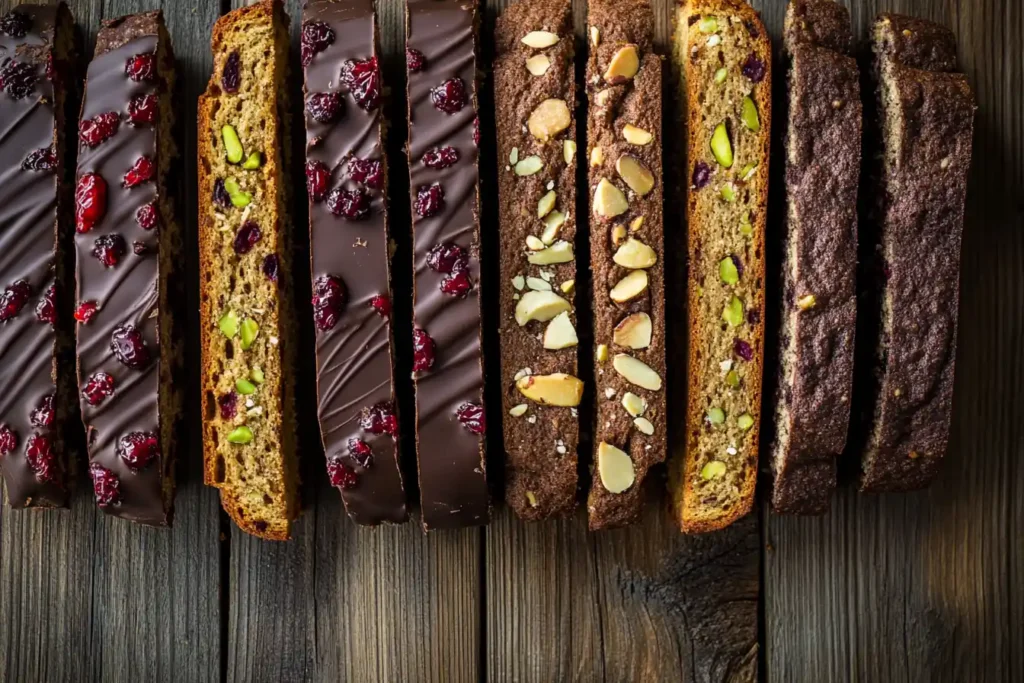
354	359
453	487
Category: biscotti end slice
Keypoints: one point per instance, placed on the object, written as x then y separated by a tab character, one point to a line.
534	110
819	306
36	256
627	257
246	273
926	115
723	55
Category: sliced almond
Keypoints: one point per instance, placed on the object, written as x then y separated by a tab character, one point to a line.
558	389
601	353
531	499
552	227
549	119
518	410
559	252
595	36
609	201
635	254
540	39
633	404
596	156
518	282
636	136
636	372
644	425
806	302
538	65
529	166
615	467
546	203
533	242
618	234
636	224
568	151
537	284
634	331
623	65
567	286
635	174
629	287
542	306
560	333
513	156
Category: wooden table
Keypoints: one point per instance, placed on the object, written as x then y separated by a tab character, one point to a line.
922	587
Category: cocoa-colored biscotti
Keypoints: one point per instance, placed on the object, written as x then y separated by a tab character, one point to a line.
36	334
534	95
447	355
818	315
912	271
723	56
346	178
129	257
245	250
627	259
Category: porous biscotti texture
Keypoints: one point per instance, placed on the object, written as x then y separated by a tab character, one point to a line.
926	116
724	56
819	306
627	259
36	256
534	97
245	254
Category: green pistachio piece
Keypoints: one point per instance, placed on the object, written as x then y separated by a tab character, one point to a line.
727	271
721	75
748	172
708	24
745	421
733	312
712	470
732	379
245	387
250	328
228	324
728	192
238	198
748	114
240	435
746	229
716	416
253	161
721	147
256	374
232	144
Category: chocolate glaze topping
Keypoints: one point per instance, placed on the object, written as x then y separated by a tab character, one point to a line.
453	485
354	358
28	218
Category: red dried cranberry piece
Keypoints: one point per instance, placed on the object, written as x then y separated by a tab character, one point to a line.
360	452
228	405
85	311
324	107
414	60
328	300
379	418
98	388
743	349
90	201
105	485
143	109
363	80
440	157
340	474
128	346
146	216
753	316
316	37
138	449
99	128
450	96
13	299
140	172
369	172
353	205
220	194
701	175
231	76
751	29
476	131
270	267
753	68
471	415
46	309
15	24
42	415
8	439
424	350
40	458
40	160
447	258
247	237
457	284
317	177
109	249
429	200
382	304
51	69
738	263
17	79
142	67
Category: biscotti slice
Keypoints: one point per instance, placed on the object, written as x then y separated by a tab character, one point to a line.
819	293
534	99
447	354
926	119
128	245
36	334
347	183
723	55
246	314
627	259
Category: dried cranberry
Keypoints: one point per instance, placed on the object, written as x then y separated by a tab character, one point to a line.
457	284
105	485
85	311
109	249
379	418
42	415
143	109
316	37
753	68
701	175
328	300
40	458
13	299
247	237
228	405
141	68
8	439
363	80
440	157
140	172
753	316
429	200
360	452
450	96
98	388
317	177
146	216
270	267
17	79
476	131
340	474
738	263
99	128
46	309
471	415
52	74
90	201
382	304
15	24
414	60
369	172
231	76
353	205
128	346
324	107
40	160
751	29
220	194
743	349
138	449
424	350
447	258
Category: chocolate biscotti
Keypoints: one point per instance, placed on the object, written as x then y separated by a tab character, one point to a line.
246	316
346	178
819	300
36	335
128	247
447	366
925	122
723	56
627	259
534	97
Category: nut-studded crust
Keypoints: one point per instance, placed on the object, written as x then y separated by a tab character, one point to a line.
540	440
696	512
926	119
626	180
812	403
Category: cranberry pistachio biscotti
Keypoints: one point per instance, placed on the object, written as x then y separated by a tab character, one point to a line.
723	56
247	322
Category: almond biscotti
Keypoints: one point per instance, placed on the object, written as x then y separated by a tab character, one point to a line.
723	56
246	318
